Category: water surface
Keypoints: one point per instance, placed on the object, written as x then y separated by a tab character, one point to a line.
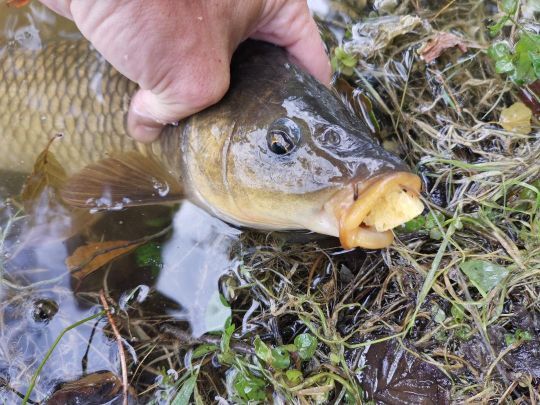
174	277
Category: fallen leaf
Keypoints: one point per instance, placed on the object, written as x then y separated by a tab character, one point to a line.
87	259
99	387
47	175
442	41
516	118
392	375
372	35
17	3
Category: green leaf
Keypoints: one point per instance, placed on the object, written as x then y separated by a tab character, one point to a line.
280	358
343	61
202	350
458	313
149	255
535	60
524	335
277	357
527	51
415	224
290	348
483	274
531	193
499	50
505	65
438	314
528	42
294	376
262	351
226	355
435	234
306	344
183	396
518	336
523	73
496	28
509	339
334	358
463	333
249	387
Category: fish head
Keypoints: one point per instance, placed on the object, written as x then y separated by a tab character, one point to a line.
295	158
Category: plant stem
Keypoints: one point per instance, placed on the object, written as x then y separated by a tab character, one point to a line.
51	349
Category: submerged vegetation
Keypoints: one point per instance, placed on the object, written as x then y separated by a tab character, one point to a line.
450	312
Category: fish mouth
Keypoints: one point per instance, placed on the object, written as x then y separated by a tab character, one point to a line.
367	212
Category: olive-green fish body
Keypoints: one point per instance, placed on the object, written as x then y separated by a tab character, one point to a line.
68	89
279	151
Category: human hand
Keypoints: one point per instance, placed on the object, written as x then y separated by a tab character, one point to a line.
179	51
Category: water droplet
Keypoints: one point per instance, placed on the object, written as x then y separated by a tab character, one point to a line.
162	188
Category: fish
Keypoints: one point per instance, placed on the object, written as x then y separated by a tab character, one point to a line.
280	151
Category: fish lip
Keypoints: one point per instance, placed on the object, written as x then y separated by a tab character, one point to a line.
351	205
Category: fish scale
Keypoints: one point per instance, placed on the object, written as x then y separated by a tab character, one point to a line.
66	88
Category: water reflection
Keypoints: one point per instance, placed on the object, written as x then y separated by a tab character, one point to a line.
36	305
38	298
38	301
195	257
29	27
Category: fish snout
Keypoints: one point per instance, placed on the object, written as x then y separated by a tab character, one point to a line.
367	212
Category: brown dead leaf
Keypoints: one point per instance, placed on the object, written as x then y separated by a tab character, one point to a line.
47	175
437	45
17	3
394	375
98	387
87	259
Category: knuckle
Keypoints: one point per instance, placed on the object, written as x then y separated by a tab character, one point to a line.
212	89
203	89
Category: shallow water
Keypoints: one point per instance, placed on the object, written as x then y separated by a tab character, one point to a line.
39	298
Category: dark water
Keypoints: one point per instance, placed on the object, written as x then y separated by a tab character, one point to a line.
38	296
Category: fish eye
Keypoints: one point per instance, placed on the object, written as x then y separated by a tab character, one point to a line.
283	135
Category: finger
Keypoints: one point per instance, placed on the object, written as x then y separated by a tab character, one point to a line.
292	27
61	7
310	52
150	112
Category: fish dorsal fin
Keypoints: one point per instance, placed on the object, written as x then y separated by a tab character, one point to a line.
122	180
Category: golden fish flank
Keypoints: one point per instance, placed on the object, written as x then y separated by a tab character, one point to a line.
280	151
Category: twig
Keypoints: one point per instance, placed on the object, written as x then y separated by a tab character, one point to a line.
120	347
508	391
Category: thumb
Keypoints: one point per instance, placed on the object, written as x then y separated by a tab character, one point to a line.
150	112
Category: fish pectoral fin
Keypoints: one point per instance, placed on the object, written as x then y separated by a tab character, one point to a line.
119	181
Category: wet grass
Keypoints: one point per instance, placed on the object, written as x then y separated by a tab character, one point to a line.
460	288
456	296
